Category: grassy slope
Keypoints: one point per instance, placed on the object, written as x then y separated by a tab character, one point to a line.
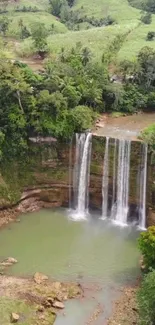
119	9
96	39
136	40
126	16
30	18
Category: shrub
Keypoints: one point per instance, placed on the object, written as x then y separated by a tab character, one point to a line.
147	245
82	117
148	135
150	36
146	300
146	18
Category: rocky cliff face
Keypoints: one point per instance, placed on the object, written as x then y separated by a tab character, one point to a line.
38	180
41	179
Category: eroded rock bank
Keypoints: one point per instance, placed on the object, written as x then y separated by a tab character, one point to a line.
42	179
36	300
125	309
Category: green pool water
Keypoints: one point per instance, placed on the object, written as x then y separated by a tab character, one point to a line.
92	251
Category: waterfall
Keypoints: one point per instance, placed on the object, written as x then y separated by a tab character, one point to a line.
113	205
142	186
70	174
81	174
123	181
105	181
114	173
115	179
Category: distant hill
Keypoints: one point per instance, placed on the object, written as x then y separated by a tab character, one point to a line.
124	14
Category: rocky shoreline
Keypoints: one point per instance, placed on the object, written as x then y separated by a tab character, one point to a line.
9	215
125	310
36	300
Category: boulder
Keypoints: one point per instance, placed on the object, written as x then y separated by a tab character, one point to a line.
56	285
14	318
11	260
41	309
50	300
8	261
40	277
58	304
46	304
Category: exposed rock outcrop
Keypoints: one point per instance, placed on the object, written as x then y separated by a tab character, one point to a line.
14	318
41	180
40	277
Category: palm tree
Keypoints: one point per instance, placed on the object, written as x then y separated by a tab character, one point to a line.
86	55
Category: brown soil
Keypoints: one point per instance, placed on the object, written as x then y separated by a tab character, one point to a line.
8	215
46	297
125	309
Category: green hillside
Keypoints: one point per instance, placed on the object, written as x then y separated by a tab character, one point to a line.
126	21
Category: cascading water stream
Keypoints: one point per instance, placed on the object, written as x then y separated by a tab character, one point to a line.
123	181
114	173
81	175
82	205
105	181
142	186
115	180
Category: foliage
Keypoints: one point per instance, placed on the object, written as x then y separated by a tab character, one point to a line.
146	18
66	96
146	69
147	245
146	299
150	5
82	117
150	36
147	5
56	6
24	31
4	25
39	35
148	134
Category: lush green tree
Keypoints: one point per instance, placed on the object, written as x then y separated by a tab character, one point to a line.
86	55
56	6
146	300
147	242
146	18
148	136
149	5
150	36
146	72
82	118
4	25
39	35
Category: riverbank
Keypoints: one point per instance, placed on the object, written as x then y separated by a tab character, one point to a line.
9	215
119	126
35	300
125	309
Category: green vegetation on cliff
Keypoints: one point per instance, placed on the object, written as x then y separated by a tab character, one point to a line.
68	94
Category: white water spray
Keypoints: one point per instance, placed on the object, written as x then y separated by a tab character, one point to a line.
123	182
81	175
143	181
105	181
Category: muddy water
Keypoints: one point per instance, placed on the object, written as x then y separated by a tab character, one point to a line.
124	126
101	256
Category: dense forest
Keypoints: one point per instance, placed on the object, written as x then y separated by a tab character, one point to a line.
69	93
74	83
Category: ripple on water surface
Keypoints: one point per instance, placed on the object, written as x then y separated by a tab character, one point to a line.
91	251
48	241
